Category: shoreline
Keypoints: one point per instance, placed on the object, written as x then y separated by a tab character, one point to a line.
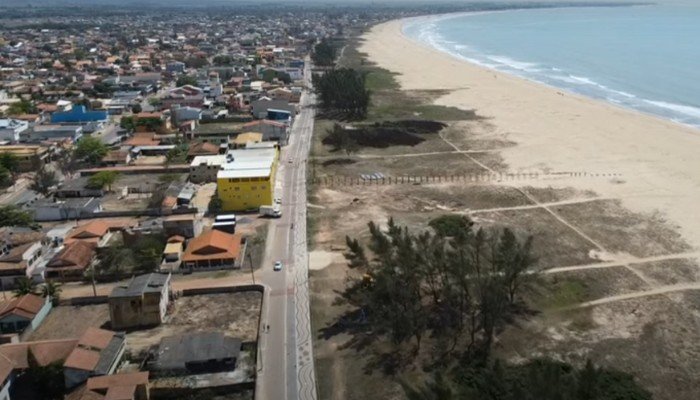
477	63
559	130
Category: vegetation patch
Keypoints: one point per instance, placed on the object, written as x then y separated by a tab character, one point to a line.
338	161
381	135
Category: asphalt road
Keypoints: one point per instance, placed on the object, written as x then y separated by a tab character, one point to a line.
286	367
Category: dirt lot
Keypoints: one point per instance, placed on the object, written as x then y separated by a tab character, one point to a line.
236	314
71	321
114	201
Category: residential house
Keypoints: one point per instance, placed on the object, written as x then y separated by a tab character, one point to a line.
43	352
71	262
195	353
175	67
96	232
187	225
142	302
10	129
204	168
65	209
42	133
271	130
19	262
116	157
182	114
77	187
185	96
24	312
122	386
260	108
98	352
213	250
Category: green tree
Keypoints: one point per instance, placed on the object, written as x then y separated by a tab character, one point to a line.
324	53
103	179
67	163
177	155
14	216
186	80
47	380
136	108
5	177
342	140
21	107
43	180
24	286
52	290
343	91
91	150
10	162
270	74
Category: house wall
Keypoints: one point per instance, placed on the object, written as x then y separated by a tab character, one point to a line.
5	391
74	377
208	265
39	318
14	324
204	173
240	194
132	312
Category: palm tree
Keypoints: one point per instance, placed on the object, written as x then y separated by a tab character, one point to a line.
52	290
24	286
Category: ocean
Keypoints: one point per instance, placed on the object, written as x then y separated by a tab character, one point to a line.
644	57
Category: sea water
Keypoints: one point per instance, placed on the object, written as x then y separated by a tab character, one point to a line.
641	57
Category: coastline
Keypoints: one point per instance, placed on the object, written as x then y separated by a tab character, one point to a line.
559	131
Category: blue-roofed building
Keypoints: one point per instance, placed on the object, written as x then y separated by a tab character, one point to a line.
79	114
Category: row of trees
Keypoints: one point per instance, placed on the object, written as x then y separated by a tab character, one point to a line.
343	91
324	53
539	379
457	285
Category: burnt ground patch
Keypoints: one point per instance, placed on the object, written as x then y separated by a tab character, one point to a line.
383	134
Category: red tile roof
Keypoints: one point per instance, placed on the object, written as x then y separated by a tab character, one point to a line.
213	245
96	338
107	381
45	352
6	367
75	255
82	359
27	306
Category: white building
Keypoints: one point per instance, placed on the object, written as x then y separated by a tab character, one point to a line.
10	129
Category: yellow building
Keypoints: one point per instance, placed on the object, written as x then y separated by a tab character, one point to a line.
247	180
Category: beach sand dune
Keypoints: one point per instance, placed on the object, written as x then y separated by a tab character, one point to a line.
657	160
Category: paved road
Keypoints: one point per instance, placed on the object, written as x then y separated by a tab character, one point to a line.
286	364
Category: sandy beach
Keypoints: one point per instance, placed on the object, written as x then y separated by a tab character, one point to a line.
561	132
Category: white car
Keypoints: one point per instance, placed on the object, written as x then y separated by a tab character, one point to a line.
277	266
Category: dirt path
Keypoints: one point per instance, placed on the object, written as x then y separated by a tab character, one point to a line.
657	291
541	205
544	206
622	262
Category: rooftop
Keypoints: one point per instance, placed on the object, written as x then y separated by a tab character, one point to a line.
149	283
179	352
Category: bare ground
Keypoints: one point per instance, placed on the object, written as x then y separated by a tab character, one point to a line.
235	314
653	337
